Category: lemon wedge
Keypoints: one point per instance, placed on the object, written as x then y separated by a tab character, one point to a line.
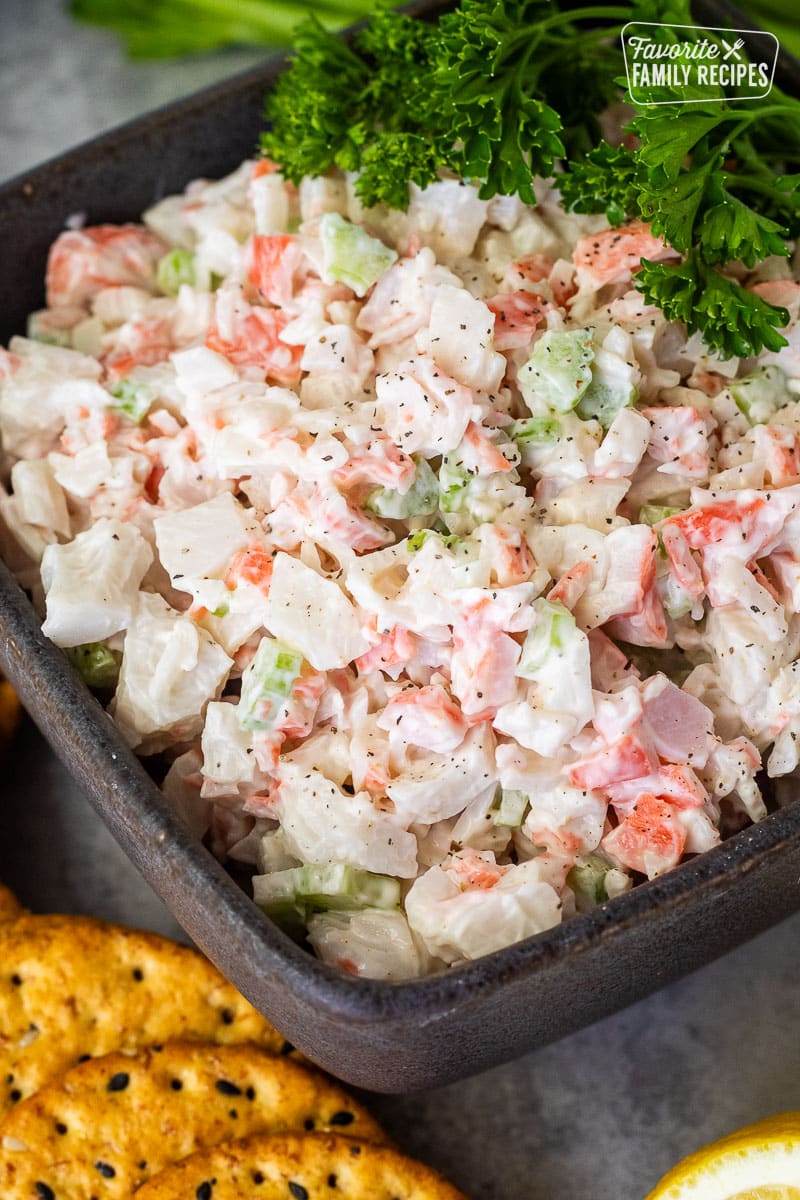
759	1162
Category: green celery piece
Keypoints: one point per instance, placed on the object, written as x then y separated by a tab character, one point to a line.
318	888
174	269
558	371
588	882
53	337
653	514
350	255
454	483
133	398
600	402
511	809
421	499
760	395
554	628
168	28
538	430
267	683
676	600
95	663
418	539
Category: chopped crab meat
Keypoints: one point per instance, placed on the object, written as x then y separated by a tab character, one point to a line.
84	261
426	717
613	255
649	840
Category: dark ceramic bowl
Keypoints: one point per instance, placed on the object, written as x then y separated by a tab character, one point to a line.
376	1035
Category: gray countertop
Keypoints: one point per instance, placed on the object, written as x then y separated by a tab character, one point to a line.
601	1114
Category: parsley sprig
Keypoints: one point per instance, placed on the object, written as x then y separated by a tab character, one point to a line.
482	92
501	91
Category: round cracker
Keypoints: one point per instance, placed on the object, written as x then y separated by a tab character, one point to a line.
109	1124
73	987
299	1167
10	907
9	711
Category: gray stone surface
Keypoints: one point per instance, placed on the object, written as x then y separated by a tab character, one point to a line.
601	1114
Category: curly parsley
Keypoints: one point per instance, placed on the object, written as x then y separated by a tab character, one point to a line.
502	91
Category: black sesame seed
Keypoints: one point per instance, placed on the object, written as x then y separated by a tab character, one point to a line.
106	1170
227	1016
176	1085
258	1177
44	1192
138	974
298	1191
233	1113
342	1118
84	1058
204	1191
17	982
61	1128
331	1181
227	1088
308	1124
118	1082
251	1093
15	1095
287	1048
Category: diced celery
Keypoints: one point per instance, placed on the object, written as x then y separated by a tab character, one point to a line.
421	499
653	514
350	255
555	626
587	880
133	398
174	269
601	402
318	888
267	683
96	664
221	610
558	371
37	332
760	395
535	430
454	481
418	539
676	600
510	811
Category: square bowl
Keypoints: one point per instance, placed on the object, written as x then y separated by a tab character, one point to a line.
386	1037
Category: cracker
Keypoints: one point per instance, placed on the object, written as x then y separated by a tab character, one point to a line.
10	907
299	1167
9	711
73	987
109	1124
